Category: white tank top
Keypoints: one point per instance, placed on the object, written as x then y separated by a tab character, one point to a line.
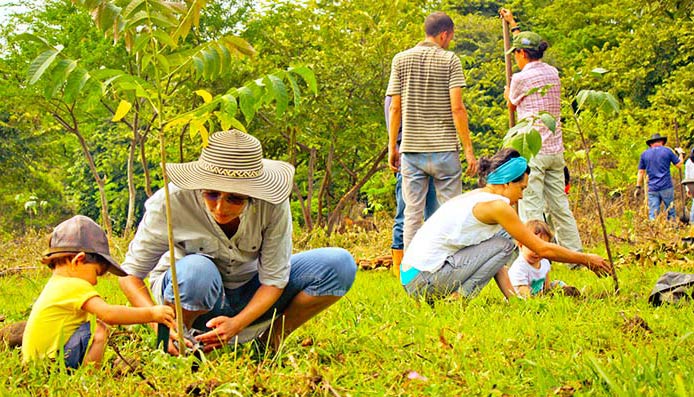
452	228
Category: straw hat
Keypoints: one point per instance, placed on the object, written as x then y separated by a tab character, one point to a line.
233	162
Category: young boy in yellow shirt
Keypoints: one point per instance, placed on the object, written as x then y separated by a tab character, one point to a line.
78	253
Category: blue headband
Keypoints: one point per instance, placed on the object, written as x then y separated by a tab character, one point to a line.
508	171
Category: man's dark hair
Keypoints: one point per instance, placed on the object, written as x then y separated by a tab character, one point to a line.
438	22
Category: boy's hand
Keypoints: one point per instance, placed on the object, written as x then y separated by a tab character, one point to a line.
165	315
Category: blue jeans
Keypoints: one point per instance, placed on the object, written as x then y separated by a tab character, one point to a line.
666	197
318	272
691	214
466	271
429	208
76	347
416	168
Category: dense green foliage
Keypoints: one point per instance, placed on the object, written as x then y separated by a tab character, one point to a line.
337	138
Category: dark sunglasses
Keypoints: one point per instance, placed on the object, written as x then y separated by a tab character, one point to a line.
214	195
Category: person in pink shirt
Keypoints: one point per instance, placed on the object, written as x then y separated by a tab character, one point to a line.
537	88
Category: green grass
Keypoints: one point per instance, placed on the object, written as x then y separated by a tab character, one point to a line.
377	341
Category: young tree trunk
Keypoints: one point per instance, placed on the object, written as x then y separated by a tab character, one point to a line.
336	213
323	192
74	129
130	220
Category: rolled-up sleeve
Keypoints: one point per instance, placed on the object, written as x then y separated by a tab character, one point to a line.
150	241
276	248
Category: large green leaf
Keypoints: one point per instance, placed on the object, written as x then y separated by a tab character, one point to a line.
237	45
308	76
597	100
279	93
41	63
528	144
295	89
549	121
75	82
247	102
59	76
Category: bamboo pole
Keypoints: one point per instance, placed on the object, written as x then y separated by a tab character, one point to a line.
509	66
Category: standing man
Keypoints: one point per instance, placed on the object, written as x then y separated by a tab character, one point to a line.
425	87
430	206
546	183
655	161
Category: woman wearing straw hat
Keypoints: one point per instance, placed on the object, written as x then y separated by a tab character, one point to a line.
232	229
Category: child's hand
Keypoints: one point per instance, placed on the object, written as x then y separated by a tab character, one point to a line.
164	315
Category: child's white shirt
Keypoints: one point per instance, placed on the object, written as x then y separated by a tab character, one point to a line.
522	273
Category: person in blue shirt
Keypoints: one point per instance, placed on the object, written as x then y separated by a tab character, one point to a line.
655	162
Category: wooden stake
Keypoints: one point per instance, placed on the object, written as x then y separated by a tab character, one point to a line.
509	66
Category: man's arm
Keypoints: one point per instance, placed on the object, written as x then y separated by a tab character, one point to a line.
460	120
394	119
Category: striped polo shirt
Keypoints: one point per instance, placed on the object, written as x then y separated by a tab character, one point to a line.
423	76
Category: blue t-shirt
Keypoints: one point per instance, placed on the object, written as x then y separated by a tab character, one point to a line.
656	161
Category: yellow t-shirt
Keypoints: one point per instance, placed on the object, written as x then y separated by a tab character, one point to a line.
56	315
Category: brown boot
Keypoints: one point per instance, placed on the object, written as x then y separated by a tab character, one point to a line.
397	260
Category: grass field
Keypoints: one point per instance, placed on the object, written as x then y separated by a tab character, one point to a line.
377	341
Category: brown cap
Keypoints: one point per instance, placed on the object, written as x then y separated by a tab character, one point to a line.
81	234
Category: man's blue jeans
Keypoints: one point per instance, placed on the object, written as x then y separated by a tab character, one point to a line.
429	208
416	168
666	197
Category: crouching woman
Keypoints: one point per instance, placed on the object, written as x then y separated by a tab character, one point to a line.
463	245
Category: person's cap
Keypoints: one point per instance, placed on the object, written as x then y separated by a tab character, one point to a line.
686	181
81	234
233	162
525	40
655	138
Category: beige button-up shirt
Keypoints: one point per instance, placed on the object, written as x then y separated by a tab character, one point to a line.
262	244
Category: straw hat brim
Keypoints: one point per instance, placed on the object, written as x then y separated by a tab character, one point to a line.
273	185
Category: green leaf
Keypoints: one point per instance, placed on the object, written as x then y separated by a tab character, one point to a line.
308	76
133	6
40	64
247	103
598	72
597	100
237	45
165	39
279	92
229	105
75	82
295	89
549	121
62	69
238	125
107	17
34	38
528	144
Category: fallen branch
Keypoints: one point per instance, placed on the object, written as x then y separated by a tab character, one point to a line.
14	270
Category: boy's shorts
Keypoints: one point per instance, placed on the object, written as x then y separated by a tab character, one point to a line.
76	347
